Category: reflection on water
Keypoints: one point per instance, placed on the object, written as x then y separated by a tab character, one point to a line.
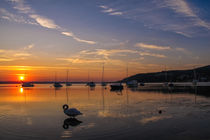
36	113
70	122
21	90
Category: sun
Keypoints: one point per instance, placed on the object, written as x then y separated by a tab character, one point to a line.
21	78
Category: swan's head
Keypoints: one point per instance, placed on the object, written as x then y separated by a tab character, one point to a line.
65	107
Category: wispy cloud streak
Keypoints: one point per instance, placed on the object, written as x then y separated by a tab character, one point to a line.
23	8
4	14
110	11
12	55
77	38
44	22
155	47
182	7
154	16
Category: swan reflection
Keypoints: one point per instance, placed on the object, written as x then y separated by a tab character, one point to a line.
71	122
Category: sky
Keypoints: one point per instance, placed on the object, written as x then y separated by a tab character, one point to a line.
44	38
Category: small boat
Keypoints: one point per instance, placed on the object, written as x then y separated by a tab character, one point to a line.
57	84
71	112
165	84
195	81
103	84
141	84
170	84
133	83
91	84
68	84
116	86
67	79
102	78
27	84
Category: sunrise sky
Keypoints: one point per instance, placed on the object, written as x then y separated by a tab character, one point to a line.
41	37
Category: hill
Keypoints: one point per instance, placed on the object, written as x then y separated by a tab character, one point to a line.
202	74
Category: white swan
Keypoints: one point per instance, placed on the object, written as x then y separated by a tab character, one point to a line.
72	112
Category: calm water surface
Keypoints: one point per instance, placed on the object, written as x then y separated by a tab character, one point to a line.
36	113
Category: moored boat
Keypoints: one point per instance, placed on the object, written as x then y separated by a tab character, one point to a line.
116	86
57	84
133	83
27	84
91	84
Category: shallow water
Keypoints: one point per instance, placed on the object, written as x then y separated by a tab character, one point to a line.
36	113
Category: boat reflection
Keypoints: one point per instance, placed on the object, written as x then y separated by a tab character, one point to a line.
92	88
71	122
119	92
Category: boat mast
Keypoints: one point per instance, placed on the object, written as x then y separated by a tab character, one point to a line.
165	74
102	80
55	76
88	77
127	71
195	77
67	76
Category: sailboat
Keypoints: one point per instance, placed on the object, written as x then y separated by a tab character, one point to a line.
90	84
195	81
170	84
57	84
26	84
116	86
67	79
102	80
132	83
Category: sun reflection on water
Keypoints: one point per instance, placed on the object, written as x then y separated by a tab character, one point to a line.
21	90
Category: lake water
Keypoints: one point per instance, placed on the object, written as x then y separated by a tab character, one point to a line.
36	113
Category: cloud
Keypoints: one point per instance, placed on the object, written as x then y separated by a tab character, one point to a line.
155	47
185	51
45	22
22	54
67	34
182	7
4	14
29	47
1	51
78	39
107	53
100	56
110	11
116	13
84	41
103	6
81	60
5	59
152	54
33	67
22	7
184	34
157	15
12	55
